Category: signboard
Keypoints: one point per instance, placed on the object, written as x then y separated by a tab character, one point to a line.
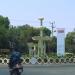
60	42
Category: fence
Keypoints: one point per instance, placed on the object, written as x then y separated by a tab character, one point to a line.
41	61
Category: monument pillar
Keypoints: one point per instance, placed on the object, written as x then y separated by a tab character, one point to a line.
41	40
41	37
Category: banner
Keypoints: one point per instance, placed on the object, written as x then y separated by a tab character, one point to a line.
60	42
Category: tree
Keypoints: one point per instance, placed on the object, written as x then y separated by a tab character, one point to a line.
52	45
18	37
4	27
4	22
46	31
70	42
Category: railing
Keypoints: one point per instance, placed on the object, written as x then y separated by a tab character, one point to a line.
42	61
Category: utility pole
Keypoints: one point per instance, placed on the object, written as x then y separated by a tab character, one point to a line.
52	27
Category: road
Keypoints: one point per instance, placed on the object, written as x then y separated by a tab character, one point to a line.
53	69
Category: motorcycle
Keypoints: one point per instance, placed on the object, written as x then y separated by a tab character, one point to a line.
16	70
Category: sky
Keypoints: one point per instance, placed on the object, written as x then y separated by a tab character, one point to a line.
22	12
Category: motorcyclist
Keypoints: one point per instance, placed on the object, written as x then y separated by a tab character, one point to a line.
15	58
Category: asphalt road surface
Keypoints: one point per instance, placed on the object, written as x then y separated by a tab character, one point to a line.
53	69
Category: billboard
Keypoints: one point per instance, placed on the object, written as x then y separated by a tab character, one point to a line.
60	42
